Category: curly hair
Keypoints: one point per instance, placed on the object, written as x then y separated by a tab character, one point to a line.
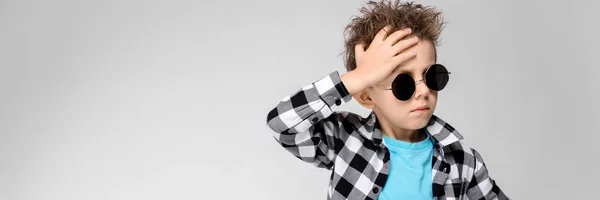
426	23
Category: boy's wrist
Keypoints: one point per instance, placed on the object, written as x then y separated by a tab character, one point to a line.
353	81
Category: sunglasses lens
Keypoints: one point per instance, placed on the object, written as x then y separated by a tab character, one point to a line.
403	87
437	77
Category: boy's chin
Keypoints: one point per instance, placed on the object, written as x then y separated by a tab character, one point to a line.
416	123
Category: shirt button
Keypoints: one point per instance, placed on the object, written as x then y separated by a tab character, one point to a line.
315	119
338	102
375	190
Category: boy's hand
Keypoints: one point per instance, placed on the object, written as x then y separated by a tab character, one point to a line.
380	59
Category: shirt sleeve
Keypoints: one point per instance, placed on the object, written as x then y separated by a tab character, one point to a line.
305	123
482	186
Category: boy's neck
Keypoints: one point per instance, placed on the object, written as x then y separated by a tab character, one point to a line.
406	135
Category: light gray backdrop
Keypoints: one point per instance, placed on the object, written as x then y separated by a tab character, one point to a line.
168	99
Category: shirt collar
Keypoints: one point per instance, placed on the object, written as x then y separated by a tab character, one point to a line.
441	131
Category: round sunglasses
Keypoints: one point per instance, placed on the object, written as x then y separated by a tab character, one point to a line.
403	87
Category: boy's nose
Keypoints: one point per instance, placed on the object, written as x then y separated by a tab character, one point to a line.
421	90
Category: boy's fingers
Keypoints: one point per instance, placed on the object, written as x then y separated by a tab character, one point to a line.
405	44
404	56
398	36
381	35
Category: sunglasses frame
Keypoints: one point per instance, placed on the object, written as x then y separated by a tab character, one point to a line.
416	82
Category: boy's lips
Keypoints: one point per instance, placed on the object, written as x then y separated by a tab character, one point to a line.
421	108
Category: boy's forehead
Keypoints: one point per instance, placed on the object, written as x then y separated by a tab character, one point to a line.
426	56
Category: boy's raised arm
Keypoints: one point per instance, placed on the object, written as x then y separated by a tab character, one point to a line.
305	122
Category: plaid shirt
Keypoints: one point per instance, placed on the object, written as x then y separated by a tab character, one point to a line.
306	124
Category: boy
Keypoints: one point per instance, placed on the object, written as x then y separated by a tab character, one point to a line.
401	150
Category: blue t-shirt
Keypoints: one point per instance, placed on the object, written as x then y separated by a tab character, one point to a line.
410	170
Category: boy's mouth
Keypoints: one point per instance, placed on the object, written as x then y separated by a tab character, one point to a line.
421	109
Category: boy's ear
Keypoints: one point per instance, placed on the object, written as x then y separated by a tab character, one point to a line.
364	99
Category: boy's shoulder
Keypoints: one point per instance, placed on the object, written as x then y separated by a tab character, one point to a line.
458	147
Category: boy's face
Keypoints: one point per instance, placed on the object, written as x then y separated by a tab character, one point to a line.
401	114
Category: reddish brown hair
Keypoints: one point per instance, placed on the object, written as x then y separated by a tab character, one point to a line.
425	22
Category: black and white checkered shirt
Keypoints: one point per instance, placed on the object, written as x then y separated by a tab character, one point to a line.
307	125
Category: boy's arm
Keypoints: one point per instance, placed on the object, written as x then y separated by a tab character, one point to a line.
305	123
482	186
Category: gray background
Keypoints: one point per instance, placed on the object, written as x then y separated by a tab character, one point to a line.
168	99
